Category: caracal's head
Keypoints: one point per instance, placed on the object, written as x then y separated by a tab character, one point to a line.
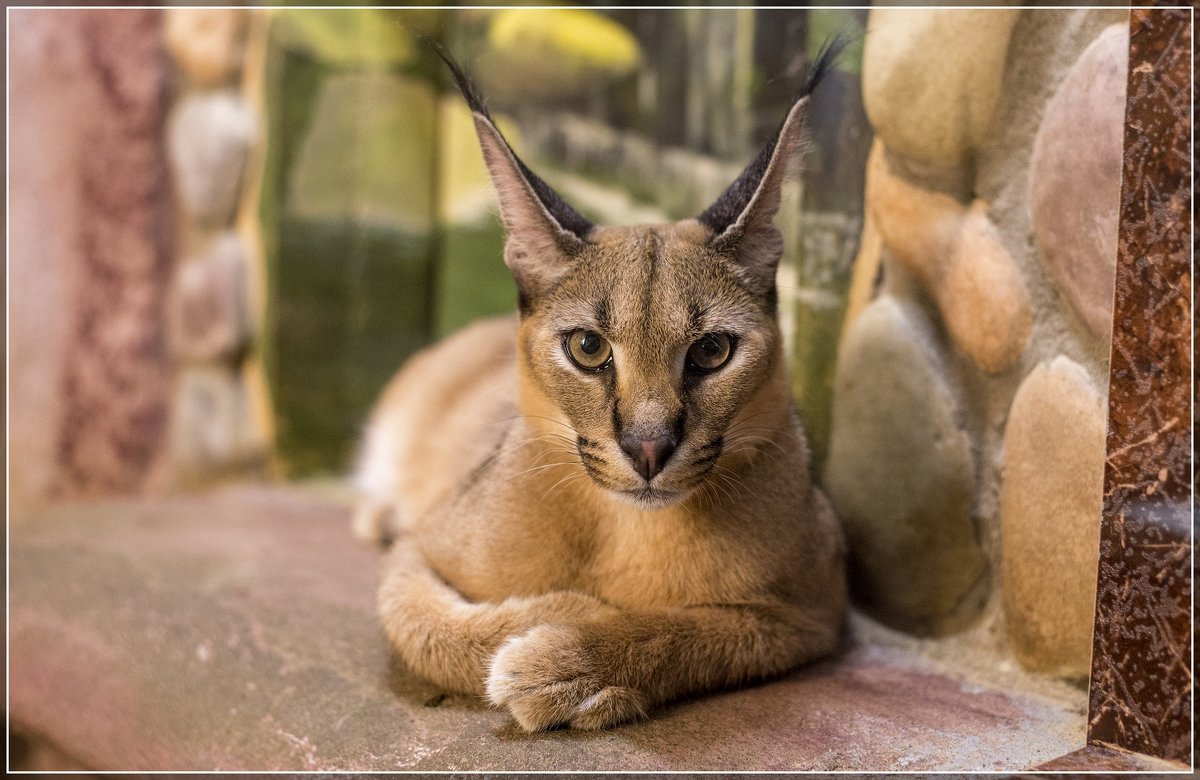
646	345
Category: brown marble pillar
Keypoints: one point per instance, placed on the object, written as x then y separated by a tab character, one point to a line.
1140	694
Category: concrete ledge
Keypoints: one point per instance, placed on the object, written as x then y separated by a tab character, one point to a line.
235	631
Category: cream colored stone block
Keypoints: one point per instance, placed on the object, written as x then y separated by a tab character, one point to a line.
932	78
1050	503
209	136
206	42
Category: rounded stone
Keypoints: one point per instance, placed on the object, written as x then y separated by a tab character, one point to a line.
1075	177
957	254
209	137
932	77
901	474
1050	503
213	424
206	42
209	311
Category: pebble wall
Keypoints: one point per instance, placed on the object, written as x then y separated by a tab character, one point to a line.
969	409
211	134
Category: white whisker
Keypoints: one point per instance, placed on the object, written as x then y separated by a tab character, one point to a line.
537	469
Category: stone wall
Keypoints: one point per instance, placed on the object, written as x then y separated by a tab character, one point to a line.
217	426
969	404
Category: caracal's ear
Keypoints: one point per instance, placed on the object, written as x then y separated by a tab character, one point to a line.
742	220
544	232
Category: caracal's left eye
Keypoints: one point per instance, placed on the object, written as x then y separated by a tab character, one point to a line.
710	352
588	350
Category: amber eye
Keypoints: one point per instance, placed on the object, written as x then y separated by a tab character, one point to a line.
588	349
709	352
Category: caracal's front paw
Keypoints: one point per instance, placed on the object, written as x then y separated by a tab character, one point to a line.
547	677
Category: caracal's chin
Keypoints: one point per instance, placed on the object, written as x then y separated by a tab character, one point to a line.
646	497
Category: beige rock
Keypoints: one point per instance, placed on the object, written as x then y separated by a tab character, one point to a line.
1075	177
932	77
208	309
1050	517
956	253
213	425
206	42
901	474
209	137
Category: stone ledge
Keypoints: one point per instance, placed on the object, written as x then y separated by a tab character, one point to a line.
1100	757
235	630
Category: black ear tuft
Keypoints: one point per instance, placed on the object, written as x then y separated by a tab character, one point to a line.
737	196
567	218
823	63
467	87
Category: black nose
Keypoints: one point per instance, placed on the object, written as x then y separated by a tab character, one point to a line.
648	455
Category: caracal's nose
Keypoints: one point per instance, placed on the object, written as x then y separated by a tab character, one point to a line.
648	455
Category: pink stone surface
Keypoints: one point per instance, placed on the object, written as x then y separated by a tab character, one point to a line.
236	631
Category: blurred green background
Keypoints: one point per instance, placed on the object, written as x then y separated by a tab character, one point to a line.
378	217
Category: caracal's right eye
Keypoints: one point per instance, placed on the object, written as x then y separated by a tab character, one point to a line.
588	349
710	352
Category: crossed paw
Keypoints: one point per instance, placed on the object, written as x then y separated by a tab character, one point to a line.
550	677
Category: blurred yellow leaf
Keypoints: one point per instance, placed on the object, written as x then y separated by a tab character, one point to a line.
556	52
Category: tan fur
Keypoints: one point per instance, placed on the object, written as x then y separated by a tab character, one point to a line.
521	574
